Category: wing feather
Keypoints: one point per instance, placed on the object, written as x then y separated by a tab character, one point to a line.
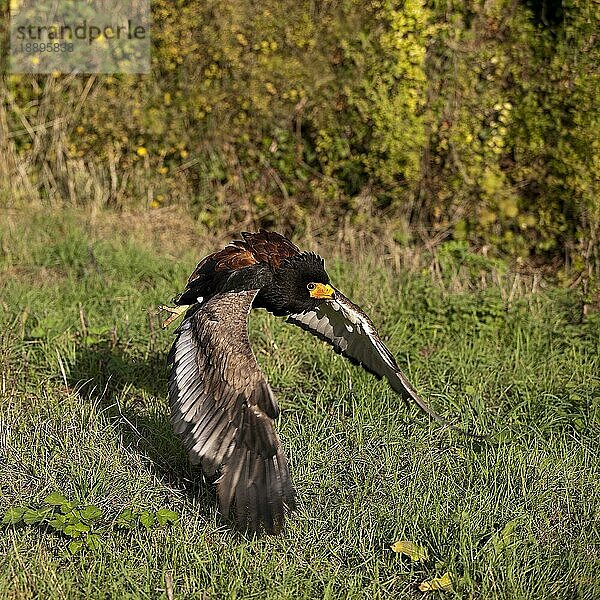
223	408
349	330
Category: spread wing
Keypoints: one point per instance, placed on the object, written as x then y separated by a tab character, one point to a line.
223	408
349	330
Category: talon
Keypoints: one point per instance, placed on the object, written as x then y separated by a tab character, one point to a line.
176	312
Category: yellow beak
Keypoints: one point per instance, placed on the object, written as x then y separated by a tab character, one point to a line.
322	291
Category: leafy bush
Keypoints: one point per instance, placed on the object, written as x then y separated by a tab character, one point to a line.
472	120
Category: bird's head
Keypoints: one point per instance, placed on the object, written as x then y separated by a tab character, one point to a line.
320	291
301	283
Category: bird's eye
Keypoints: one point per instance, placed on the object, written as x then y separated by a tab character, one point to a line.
311	286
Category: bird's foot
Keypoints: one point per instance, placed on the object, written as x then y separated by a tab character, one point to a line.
175	313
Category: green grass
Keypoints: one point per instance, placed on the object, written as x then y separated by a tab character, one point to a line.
83	411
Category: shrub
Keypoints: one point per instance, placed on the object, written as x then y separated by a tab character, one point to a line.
472	121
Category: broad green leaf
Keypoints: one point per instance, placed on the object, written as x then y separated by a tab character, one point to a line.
38	332
99	330
127	519
506	538
72	531
59	522
73	517
90	513
411	549
55	499
93	541
68	507
13	515
443	583
32	516
164	516
147	519
75	546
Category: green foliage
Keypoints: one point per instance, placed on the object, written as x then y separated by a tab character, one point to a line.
477	120
86	526
513	128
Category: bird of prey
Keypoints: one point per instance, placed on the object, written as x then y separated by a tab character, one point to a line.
221	404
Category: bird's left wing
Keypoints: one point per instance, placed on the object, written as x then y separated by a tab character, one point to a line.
223	408
349	330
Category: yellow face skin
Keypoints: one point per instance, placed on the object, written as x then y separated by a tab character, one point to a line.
321	291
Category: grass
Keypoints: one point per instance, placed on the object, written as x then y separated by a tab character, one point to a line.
83	412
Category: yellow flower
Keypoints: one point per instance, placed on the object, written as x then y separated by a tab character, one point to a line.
142	151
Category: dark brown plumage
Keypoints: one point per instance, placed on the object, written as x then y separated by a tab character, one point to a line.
221	404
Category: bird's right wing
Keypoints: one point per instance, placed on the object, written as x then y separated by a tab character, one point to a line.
349	330
223	408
